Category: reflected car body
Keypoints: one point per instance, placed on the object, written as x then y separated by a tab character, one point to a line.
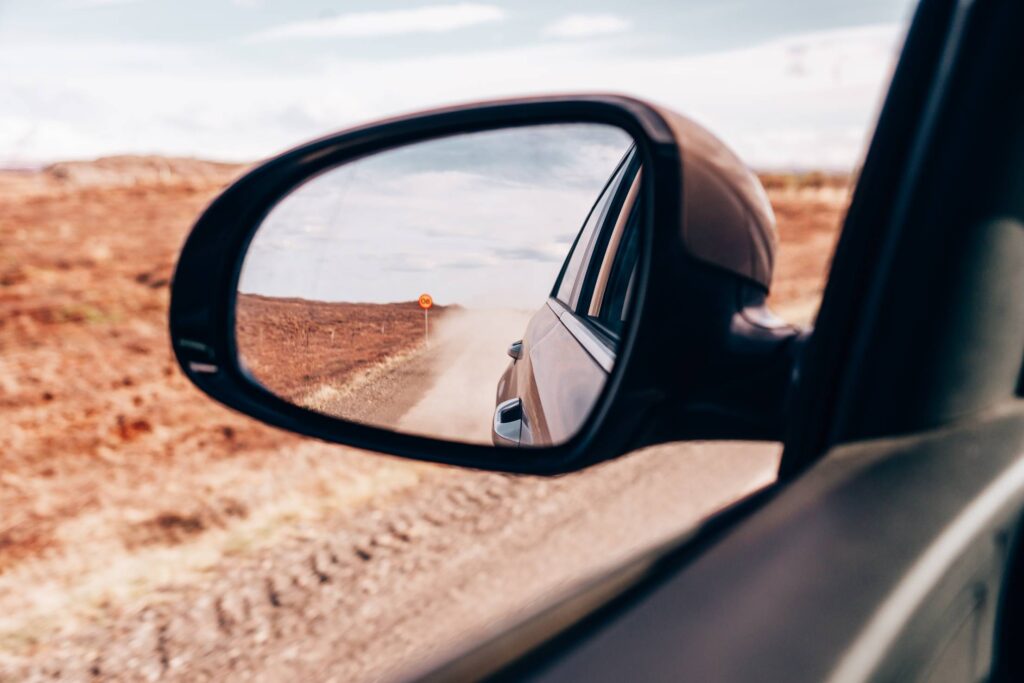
560	366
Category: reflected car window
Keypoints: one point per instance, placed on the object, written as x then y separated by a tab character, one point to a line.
567	291
615	303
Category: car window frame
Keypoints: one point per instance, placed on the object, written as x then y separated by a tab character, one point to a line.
627	248
619	234
583	290
575	293
588	275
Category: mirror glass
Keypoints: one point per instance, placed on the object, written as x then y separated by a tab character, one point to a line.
471	288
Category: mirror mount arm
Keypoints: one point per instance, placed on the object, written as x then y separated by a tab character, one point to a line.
735	382
752	404
758	398
766	352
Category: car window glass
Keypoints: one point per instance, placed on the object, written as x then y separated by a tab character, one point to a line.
612	241
568	292
615	302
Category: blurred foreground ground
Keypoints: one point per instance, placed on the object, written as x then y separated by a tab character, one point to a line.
147	533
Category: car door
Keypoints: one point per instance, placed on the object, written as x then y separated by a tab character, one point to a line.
569	345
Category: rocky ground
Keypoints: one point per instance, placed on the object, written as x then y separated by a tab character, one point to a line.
148	533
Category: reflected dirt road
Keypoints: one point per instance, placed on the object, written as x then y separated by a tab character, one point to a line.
444	388
468	353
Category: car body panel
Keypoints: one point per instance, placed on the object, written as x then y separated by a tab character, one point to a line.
889	538
556	378
872	566
566	358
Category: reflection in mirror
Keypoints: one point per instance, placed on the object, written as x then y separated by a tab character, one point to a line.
469	288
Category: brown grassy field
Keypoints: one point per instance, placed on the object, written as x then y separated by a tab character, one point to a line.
111	461
292	345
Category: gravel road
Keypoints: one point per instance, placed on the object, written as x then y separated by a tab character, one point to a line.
375	591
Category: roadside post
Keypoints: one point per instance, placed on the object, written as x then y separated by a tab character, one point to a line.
426	301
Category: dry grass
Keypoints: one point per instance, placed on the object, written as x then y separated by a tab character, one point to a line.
116	475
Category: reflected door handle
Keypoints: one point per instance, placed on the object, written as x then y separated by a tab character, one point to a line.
508	423
515	349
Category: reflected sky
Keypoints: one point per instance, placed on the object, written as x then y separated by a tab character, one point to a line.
482	220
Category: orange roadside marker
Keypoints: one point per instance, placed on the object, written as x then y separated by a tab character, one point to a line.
425	302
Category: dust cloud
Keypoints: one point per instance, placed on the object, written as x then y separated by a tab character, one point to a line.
468	351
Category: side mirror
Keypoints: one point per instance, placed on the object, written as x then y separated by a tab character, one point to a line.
362	288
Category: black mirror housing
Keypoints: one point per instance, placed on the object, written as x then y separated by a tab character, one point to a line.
696	359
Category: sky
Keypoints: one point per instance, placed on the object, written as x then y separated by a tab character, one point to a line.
482	220
789	85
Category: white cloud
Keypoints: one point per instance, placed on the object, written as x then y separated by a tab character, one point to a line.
586	26
429	19
807	100
85	4
479	229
